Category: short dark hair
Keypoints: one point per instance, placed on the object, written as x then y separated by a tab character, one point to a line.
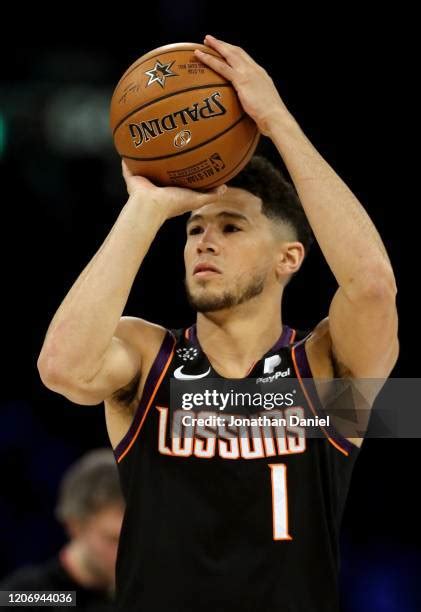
280	200
89	486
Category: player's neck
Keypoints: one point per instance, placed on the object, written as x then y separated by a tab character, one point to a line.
237	337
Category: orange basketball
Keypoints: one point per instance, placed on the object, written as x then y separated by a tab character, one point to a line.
177	122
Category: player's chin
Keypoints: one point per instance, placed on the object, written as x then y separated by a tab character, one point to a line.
207	279
201	293
210	288
201	290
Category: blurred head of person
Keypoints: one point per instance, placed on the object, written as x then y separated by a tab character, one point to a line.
91	508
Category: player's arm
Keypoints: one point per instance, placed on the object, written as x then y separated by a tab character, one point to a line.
362	324
119	370
361	331
90	351
350	419
362	316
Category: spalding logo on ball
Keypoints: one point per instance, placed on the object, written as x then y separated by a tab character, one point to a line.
177	122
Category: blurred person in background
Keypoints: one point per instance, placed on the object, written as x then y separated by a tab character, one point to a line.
90	506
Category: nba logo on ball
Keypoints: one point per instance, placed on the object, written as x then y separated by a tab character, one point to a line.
177	122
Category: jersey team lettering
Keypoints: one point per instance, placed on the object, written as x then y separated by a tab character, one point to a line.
229	441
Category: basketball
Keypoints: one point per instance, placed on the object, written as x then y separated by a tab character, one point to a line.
177	122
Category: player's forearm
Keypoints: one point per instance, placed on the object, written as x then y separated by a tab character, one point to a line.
345	233
84	324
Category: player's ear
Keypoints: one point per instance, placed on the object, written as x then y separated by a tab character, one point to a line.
289	258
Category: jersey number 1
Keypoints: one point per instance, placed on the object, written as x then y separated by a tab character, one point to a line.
279	501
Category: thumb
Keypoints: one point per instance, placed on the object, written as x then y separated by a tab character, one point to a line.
125	170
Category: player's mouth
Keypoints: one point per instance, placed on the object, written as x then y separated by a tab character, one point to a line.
205	269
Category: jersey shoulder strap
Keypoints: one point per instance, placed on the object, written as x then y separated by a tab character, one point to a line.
152	384
300	334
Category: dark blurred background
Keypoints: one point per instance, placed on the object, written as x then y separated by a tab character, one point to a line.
62	191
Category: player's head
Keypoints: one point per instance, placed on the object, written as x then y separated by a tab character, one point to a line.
256	237
91	507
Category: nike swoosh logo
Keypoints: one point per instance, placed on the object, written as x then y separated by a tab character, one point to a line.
179	374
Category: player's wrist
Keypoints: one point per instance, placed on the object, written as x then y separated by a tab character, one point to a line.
277	122
148	208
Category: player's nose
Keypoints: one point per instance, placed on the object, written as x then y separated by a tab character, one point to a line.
208	241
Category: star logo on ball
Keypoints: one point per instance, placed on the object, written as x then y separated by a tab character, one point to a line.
159	73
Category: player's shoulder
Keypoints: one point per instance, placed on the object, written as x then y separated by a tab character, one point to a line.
130	324
143	334
299	335
316	343
321	353
295	335
151	342
319	345
319	334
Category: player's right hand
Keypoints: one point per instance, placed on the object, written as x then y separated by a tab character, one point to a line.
173	200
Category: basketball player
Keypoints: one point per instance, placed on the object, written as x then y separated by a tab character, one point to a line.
224	518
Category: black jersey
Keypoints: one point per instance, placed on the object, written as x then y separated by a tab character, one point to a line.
224	523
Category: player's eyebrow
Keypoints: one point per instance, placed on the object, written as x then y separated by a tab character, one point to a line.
223	214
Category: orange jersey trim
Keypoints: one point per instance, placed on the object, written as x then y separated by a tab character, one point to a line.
310	403
151	399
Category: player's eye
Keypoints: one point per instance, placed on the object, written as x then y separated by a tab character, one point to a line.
230	227
195	230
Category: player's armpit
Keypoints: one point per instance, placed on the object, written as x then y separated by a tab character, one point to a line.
346	398
128	394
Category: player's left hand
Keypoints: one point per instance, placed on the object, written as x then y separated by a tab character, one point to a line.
255	88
